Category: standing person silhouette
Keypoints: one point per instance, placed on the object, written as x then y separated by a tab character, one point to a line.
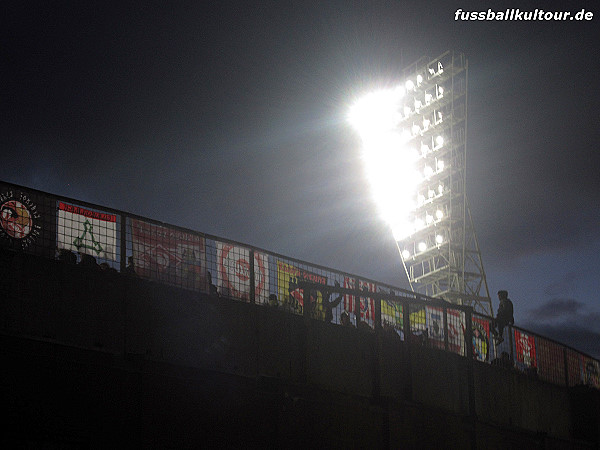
504	316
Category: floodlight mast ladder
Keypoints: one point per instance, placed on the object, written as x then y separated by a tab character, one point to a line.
442	258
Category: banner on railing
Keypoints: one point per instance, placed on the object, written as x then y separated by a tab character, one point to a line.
525	349
550	358
233	273
481	338
292	296
88	232
435	325
591	371
27	221
367	305
418	317
391	313
456	329
169	255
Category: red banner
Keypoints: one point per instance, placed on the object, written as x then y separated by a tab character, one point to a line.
367	305
169	255
551	364
525	349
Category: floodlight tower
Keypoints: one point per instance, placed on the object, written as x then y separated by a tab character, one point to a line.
425	120
441	256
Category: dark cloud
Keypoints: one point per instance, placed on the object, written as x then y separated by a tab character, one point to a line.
563	286
556	309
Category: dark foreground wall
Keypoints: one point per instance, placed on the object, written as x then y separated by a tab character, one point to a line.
98	360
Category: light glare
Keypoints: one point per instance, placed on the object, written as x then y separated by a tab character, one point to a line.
390	159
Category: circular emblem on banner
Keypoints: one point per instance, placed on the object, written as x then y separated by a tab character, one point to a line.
234	271
15	219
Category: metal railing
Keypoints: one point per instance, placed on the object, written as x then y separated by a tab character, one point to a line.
78	232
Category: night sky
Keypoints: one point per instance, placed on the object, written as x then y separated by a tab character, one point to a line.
230	118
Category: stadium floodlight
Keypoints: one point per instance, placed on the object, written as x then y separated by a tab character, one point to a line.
389	157
416	171
376	113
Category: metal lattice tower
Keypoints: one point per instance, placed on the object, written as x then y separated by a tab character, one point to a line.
441	256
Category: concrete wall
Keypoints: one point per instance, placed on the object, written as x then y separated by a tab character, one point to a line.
159	355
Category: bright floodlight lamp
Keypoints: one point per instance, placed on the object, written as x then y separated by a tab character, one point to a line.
375	113
415	162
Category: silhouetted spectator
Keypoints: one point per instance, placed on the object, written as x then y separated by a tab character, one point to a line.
273	302
345	319
67	256
390	330
88	261
503	361
504	316
212	289
130	269
330	305
320	306
532	372
421	338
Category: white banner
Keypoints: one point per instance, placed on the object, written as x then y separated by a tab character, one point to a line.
233	273
85	231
